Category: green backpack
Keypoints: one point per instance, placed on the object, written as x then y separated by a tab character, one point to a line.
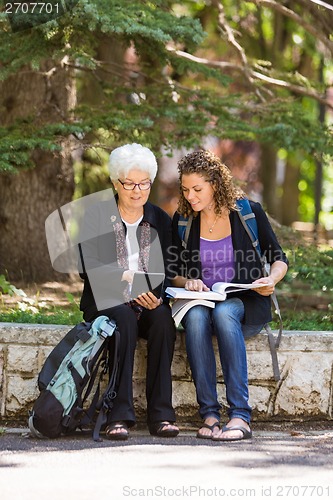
68	377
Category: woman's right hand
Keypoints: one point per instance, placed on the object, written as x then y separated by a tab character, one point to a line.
196	285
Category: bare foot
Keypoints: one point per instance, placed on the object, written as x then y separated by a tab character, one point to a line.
233	434
206	432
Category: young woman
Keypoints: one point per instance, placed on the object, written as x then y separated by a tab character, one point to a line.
219	249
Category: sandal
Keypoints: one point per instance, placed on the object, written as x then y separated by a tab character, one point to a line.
117	436
210	427
161	429
245	433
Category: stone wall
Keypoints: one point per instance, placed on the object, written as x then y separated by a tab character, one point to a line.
304	391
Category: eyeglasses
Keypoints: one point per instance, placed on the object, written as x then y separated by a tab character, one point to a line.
130	186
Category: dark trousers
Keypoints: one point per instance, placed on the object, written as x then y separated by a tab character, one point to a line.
157	327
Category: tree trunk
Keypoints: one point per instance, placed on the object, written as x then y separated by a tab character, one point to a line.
289	206
27	198
91	92
268	176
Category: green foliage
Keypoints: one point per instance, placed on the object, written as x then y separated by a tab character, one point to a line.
172	111
306	292
8	288
55	317
311	266
35	311
305	320
91	174
206	74
74	34
159	120
18	141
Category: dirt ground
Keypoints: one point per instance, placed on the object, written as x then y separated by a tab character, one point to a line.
52	293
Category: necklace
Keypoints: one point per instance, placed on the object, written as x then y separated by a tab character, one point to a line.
210	228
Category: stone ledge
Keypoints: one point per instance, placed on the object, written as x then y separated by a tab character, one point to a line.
304	391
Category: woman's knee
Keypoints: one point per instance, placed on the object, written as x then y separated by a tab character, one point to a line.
126	321
160	316
158	323
230	311
196	316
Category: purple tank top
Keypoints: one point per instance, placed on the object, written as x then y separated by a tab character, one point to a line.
217	260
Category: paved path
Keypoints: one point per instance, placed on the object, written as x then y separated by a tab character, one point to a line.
294	463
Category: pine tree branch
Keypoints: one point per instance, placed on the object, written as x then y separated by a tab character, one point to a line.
297	89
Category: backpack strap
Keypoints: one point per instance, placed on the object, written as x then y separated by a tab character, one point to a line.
184	228
248	219
249	222
105	404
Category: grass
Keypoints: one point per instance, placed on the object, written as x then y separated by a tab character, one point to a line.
305	320
27	310
57	317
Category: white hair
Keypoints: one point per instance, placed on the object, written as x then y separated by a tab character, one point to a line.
132	156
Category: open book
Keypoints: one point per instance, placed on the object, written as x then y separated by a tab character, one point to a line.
185	299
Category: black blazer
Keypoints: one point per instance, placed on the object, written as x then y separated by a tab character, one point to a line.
247	264
99	254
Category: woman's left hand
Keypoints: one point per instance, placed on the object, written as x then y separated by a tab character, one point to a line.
265	290
148	301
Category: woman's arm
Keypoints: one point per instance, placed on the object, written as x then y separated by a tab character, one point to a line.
277	272
179	281
272	250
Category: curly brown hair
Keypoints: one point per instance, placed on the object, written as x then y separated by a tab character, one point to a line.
209	165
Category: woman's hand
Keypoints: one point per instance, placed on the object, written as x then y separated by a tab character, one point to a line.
265	290
148	301
196	285
277	272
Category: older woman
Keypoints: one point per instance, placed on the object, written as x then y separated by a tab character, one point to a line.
218	249
129	234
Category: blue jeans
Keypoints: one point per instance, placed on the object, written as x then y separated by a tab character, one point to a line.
224	321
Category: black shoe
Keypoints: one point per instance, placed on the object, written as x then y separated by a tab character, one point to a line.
117	436
162	429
